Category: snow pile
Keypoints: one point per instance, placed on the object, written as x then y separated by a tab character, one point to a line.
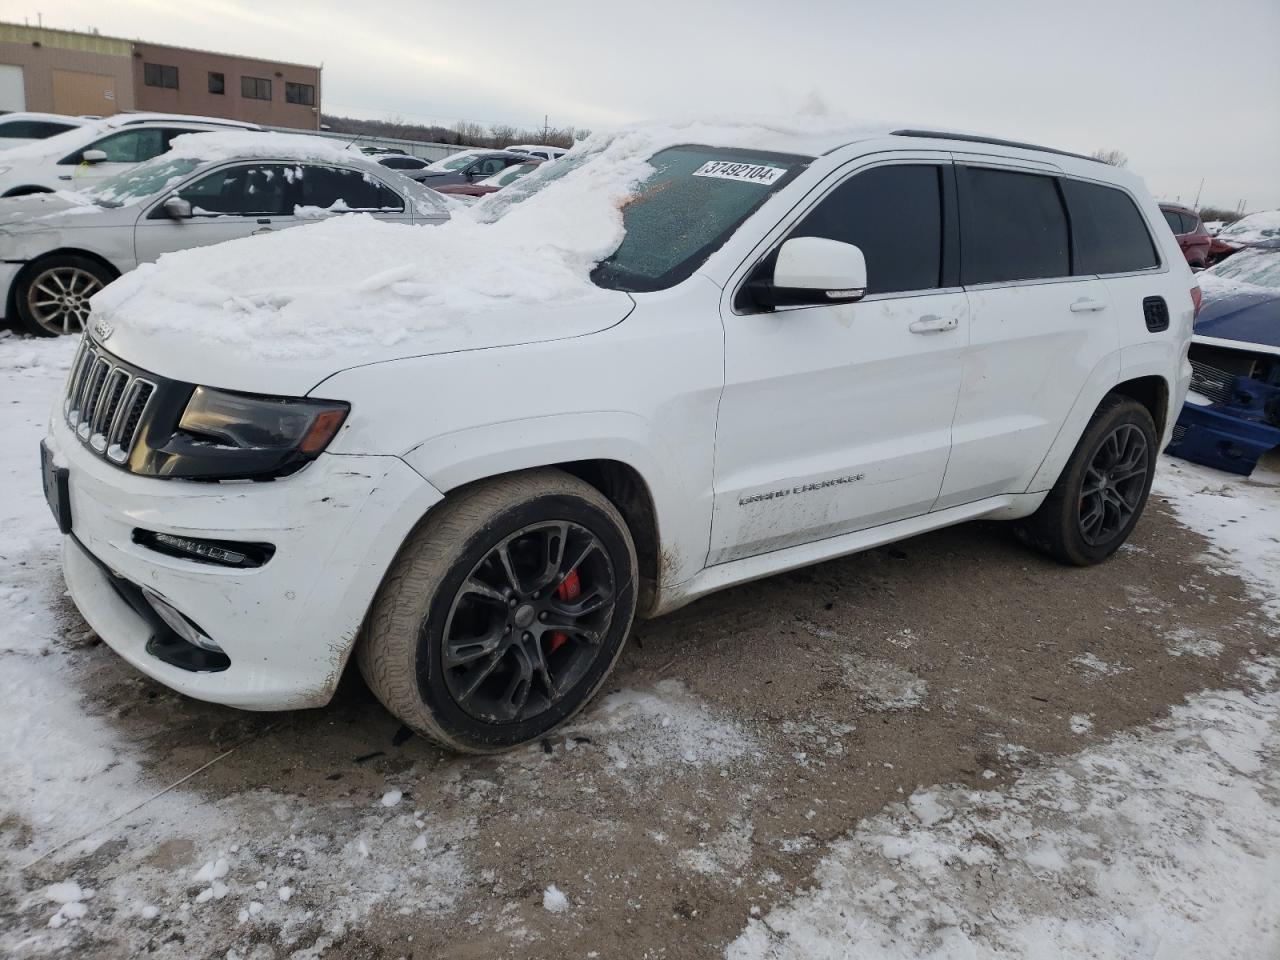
1239	516
1162	842
663	727
1166	844
554	900
70	897
346	284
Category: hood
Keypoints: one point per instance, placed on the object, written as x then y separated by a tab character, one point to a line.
1248	314
49	211
278	313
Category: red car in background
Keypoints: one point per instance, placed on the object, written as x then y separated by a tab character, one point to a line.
490	184
1192	236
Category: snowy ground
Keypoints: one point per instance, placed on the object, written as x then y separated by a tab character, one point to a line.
929	751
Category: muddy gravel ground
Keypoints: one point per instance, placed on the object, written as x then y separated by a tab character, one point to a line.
737	738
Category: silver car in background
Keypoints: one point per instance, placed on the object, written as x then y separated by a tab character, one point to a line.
58	249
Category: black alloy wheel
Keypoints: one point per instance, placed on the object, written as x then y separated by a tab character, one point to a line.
527	623
1115	483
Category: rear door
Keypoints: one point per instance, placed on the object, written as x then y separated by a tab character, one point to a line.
837	417
1038	327
324	191
229	202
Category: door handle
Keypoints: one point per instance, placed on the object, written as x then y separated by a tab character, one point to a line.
933	324
1086	305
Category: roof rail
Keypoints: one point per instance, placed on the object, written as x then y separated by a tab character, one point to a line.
995	141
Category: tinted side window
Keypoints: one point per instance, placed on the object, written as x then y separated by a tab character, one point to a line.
894	214
1110	234
325	186
31	129
489	166
128	146
258	190
1012	227
1173	220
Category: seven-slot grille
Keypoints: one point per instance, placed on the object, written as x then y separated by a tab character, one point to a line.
105	402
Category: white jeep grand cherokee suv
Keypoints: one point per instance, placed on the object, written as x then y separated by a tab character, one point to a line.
803	345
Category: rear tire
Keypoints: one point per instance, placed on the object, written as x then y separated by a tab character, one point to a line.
474	639
1102	490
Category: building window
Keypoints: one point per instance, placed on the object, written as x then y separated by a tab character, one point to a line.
303	93
255	88
158	75
217	83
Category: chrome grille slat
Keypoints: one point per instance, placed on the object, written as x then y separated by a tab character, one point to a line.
1213	383
105	403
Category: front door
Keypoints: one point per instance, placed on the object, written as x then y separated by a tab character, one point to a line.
837	418
232	201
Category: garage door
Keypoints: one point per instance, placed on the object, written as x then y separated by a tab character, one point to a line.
76	93
13	93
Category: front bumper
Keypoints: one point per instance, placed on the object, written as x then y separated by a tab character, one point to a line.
287	626
9	271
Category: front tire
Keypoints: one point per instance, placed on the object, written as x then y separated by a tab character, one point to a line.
503	613
1103	489
52	294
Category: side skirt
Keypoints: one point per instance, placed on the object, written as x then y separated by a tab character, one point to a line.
723	575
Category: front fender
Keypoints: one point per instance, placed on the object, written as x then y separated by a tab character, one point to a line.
453	459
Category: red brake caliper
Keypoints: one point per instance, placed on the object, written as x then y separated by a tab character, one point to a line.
569	589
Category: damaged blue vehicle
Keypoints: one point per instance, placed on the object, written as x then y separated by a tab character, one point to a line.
1231	417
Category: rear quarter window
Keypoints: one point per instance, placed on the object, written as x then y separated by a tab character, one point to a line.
1110	233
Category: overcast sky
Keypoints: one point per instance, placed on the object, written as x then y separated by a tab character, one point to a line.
1186	88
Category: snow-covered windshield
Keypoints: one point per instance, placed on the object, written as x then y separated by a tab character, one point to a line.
1261	268
1255	228
455	162
694	199
144	180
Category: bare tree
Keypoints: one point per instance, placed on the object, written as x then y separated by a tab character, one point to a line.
1111	156
502	134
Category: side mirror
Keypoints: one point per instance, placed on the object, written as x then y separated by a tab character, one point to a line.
175	208
812	270
93	156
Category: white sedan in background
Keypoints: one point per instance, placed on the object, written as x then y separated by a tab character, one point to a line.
58	249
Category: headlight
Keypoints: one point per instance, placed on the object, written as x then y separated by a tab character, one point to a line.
224	436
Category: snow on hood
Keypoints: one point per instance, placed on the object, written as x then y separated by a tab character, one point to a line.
355	290
1257	228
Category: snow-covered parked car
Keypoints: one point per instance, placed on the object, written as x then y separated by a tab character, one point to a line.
676	360
1256	230
84	156
1231	417
59	249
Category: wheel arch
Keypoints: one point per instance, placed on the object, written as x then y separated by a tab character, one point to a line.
624	486
1150	391
26	190
70	252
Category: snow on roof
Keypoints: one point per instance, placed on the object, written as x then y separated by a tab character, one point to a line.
355	286
221	145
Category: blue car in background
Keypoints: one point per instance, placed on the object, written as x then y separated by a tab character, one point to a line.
1232	414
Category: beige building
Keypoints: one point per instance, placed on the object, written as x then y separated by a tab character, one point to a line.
64	71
